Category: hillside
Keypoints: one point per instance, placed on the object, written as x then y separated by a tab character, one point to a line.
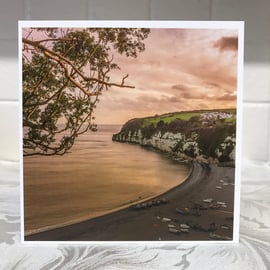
203	134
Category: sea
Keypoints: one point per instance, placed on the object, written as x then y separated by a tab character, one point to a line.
97	177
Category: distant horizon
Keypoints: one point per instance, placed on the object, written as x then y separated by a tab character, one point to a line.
146	116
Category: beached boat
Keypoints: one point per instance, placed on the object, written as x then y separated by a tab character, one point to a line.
173	230
166	219
183	211
184	226
208	200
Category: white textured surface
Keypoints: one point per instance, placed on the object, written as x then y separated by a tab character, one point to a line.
253	250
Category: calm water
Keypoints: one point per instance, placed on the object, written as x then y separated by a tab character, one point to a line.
99	176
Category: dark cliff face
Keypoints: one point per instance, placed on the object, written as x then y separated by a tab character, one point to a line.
206	134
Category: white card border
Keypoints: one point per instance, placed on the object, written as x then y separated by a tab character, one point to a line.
237	25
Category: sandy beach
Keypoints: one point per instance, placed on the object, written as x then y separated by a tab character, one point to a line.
168	215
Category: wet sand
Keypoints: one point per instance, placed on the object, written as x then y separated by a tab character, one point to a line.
151	223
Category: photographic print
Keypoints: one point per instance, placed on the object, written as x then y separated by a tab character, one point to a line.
130	130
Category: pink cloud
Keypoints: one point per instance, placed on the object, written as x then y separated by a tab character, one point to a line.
179	70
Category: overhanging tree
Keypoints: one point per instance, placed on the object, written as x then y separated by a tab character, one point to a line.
64	73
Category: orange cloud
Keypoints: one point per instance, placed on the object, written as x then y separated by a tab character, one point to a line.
188	92
227	43
227	97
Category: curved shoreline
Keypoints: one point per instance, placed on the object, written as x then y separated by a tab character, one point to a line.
123	207
127	225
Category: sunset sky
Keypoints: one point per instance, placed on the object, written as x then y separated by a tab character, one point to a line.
181	69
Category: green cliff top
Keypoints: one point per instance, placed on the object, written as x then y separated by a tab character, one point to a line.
186	121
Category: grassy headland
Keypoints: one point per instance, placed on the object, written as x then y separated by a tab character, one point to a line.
208	134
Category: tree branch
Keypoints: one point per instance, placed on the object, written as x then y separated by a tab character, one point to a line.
58	57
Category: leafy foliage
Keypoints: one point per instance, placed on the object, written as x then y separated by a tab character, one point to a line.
64	73
169	118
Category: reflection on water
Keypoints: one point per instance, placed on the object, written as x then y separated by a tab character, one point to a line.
98	177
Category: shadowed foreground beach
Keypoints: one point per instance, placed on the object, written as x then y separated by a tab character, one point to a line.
194	219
